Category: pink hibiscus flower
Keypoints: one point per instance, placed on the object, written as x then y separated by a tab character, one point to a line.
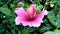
29	17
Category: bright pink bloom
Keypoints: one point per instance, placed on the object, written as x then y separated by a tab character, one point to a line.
29	17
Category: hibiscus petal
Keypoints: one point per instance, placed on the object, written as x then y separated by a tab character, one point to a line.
17	21
41	15
20	19
18	11
35	23
22	15
32	10
45	12
39	18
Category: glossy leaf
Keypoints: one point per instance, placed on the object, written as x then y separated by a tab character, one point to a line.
50	32
5	10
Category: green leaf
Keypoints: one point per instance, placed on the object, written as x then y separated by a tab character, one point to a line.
52	32
15	1
39	7
52	19
5	10
29	29
45	27
49	32
36	2
57	2
2	29
8	33
24	32
58	20
58	31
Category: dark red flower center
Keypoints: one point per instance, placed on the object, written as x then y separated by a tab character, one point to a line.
30	18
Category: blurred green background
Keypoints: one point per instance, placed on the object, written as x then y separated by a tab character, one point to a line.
50	25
